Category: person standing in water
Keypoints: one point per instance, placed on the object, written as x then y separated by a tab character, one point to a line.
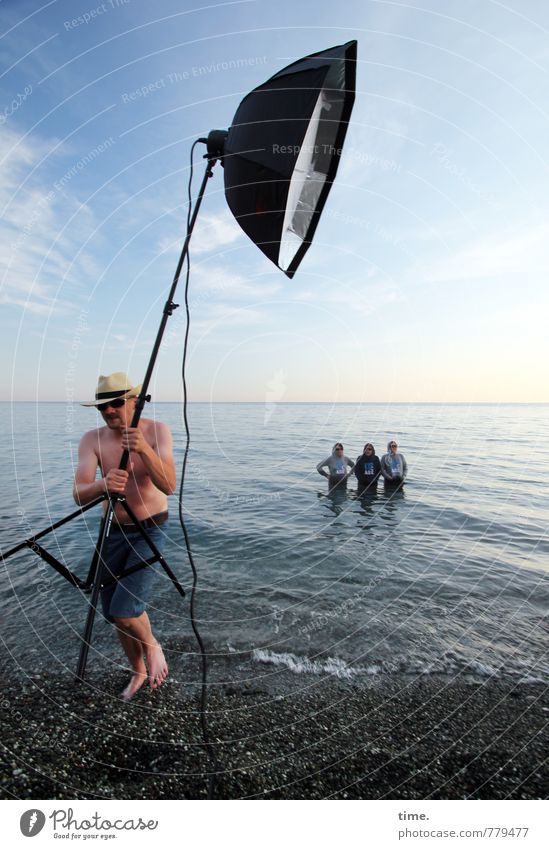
393	465
336	463
367	468
146	482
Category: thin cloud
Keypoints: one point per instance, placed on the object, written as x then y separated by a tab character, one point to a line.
361	299
38	308
37	248
212	232
215	280
524	252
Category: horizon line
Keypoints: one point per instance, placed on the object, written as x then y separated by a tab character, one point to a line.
293	403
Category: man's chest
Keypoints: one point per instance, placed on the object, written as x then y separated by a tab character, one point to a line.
109	456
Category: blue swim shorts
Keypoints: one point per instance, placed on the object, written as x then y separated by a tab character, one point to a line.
129	597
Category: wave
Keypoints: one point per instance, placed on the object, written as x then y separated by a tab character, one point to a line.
448	664
331	666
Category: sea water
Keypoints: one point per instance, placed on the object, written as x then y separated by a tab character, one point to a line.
447	575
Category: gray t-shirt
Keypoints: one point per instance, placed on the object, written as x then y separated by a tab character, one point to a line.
337	466
393	466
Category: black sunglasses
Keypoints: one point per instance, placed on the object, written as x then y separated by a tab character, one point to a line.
118	402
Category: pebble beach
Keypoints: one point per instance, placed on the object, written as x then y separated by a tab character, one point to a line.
405	738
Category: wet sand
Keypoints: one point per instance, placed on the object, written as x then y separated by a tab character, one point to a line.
404	738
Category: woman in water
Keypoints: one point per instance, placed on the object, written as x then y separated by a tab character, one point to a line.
393	465
337	463
367	468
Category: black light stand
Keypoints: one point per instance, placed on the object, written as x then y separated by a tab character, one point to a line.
96	578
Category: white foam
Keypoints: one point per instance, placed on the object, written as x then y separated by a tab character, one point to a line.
484	670
448	664
299	665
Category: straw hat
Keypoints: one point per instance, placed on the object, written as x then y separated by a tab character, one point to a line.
111	386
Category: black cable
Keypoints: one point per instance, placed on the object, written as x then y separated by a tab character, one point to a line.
204	661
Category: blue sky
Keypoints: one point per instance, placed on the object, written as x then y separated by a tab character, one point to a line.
427	279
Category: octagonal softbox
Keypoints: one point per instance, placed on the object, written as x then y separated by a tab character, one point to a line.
282	152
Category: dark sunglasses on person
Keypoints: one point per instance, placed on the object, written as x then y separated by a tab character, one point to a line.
118	402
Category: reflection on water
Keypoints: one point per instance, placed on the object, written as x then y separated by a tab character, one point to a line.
334	499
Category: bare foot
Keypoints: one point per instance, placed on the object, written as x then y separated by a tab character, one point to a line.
158	668
136	681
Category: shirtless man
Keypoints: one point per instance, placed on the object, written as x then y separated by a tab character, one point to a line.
148	480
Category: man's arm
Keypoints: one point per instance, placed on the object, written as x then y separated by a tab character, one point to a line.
86	487
157	459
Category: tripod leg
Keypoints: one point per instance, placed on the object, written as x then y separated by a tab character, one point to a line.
92	572
50	528
94	579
